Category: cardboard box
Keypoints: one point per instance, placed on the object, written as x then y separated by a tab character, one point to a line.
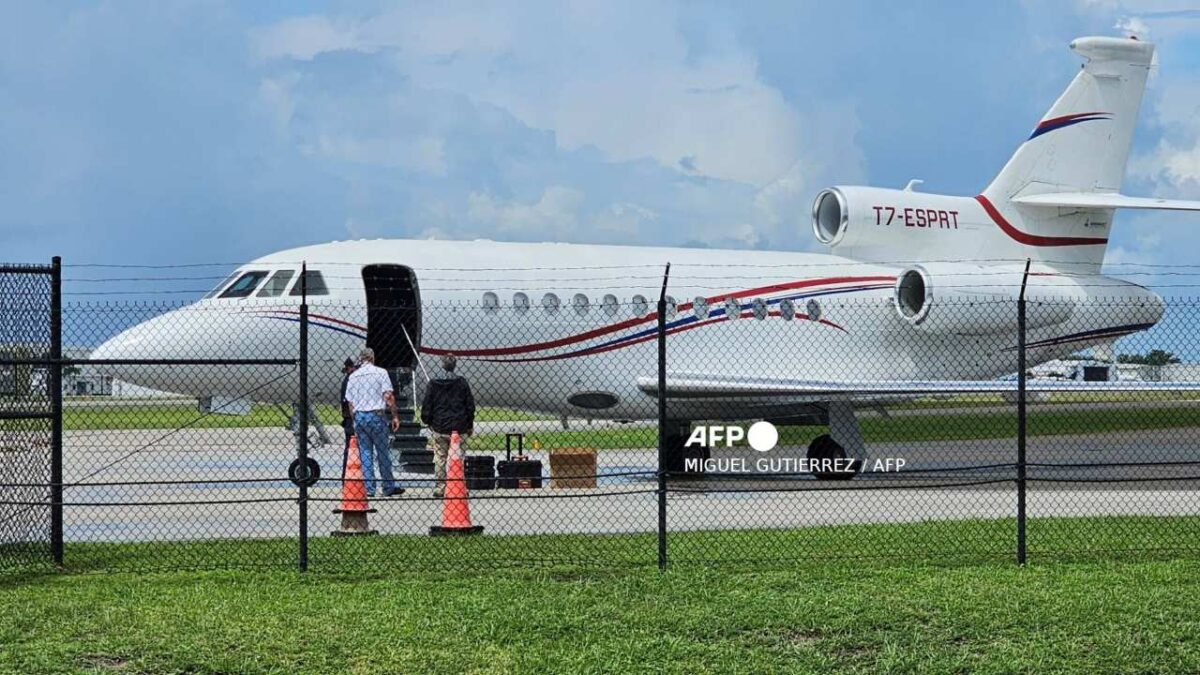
577	466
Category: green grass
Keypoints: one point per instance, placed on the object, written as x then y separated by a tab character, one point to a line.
831	612
980	400
959	540
958	425
928	427
184	414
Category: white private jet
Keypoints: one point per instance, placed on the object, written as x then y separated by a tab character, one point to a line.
570	329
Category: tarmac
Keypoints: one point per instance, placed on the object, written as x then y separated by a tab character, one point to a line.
156	485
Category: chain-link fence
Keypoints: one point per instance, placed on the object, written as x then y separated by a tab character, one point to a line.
612	431
29	527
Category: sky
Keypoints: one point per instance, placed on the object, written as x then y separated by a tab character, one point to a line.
207	131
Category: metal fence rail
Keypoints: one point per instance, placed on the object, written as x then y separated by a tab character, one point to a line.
1032	464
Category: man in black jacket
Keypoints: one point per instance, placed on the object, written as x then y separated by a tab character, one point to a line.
347	417
449	406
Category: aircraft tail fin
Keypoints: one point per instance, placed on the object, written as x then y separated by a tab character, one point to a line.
1082	143
1057	194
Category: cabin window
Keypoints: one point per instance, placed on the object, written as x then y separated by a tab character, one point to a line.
245	285
759	308
733	308
581	304
610	304
700	307
550	303
277	284
314	281
221	285
672	308
813	309
640	305
520	303
491	302
787	309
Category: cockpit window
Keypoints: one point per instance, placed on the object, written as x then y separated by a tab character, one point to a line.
221	285
315	282
245	285
277	284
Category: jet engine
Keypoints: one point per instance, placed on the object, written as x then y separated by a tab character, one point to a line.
979	300
882	225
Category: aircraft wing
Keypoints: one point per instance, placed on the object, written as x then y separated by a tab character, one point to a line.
1105	200
702	386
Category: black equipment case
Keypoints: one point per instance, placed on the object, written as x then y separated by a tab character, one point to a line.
480	472
513	472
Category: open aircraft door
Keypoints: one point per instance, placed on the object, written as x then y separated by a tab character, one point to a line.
393	315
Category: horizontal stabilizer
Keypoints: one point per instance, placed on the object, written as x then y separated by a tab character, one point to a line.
1105	200
699	386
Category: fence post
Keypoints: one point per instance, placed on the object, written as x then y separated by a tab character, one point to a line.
54	385
662	421
302	422
1021	400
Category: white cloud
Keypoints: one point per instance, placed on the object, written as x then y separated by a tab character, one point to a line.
1134	26
625	82
783	201
556	212
1174	163
1176	168
1145	249
422	154
419	31
304	37
275	93
1166	161
623	219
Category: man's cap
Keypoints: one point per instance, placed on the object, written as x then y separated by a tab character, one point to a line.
348	364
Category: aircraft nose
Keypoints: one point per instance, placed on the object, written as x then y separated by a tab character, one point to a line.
162	352
173	335
150	339
184	333
121	346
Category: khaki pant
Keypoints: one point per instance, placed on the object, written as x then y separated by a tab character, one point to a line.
440	445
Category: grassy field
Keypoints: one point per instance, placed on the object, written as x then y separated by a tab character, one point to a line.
184	414
819	615
932	426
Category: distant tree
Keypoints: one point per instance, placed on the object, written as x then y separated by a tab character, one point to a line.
1154	357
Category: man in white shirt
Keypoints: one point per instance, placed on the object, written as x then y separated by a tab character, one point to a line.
371	399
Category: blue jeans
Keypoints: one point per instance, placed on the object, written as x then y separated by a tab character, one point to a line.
371	430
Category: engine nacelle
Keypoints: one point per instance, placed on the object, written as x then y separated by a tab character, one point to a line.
979	300
883	225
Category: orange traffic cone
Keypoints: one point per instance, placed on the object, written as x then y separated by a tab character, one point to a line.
456	511
354	497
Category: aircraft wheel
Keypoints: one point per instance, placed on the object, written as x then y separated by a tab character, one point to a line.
824	449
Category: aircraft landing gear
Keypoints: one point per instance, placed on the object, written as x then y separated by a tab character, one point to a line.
830	461
683	461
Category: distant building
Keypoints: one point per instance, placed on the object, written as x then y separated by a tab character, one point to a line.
1089	370
77	380
1179	372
